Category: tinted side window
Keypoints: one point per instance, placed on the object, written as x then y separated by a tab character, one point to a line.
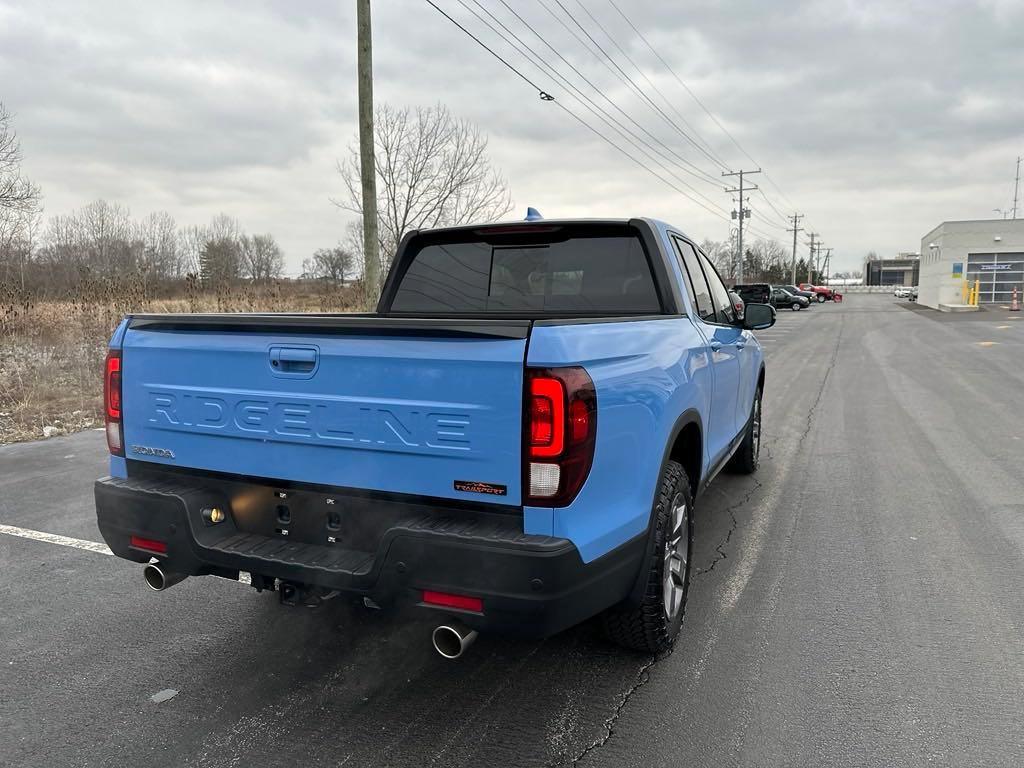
724	312
701	293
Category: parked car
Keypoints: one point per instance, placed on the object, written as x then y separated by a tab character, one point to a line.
754	293
823	293
479	447
809	295
901	292
738	305
783	298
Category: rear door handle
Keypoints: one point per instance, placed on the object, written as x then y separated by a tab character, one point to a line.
715	345
294	361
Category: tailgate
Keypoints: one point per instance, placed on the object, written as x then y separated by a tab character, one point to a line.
406	410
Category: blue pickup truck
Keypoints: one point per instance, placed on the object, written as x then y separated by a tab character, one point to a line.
514	440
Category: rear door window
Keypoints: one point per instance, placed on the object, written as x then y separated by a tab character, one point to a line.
582	274
701	292
725	313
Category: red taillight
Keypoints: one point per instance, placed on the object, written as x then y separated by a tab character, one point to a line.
547	416
150	545
560	434
460	602
112	402
113	388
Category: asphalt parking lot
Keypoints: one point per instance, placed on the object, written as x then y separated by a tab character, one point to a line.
858	602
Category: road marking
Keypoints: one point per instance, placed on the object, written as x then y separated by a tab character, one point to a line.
89	546
1003	327
986	343
53	538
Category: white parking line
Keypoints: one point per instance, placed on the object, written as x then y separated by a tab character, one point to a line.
53	538
88	546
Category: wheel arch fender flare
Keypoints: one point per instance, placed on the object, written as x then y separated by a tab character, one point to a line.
689	417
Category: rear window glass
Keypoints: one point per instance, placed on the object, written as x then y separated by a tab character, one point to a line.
580	274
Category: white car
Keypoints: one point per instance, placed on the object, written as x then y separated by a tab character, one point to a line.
900	292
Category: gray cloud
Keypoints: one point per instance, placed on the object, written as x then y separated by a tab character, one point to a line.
878	119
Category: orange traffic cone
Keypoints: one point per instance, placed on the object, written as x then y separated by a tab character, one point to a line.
1015	305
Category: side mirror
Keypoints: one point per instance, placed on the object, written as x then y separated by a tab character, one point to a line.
758	317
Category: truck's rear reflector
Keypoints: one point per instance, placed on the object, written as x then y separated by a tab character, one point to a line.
459	602
149	545
561	431
112	402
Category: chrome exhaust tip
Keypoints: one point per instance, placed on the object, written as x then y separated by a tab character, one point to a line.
158	579
452	639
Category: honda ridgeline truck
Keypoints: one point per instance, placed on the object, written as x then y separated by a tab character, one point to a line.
514	440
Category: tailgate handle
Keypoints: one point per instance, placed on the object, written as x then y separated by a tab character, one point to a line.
293	360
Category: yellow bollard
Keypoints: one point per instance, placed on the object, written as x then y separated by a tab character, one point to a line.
964	291
974	292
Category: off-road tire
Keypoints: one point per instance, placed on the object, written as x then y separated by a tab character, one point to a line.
747	456
648	626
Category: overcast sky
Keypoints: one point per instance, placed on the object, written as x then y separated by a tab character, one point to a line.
877	120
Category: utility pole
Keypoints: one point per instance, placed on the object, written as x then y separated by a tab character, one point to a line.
1016	189
796	228
367	164
744	213
824	269
810	258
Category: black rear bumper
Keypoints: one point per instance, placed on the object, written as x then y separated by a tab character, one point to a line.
390	550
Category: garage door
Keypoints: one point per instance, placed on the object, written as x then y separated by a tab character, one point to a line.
997	273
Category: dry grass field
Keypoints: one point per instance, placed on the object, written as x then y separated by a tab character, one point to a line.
51	352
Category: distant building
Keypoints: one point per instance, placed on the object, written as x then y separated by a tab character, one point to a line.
990	251
902	270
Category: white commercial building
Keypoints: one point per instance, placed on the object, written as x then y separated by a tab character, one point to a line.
989	251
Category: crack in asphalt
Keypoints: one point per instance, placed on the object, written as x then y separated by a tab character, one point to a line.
643	676
824	379
720	547
733	524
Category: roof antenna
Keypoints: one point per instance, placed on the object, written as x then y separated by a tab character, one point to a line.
532	214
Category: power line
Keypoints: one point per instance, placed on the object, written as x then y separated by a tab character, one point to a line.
576	117
690	168
694	96
542	93
626	79
587	103
654	87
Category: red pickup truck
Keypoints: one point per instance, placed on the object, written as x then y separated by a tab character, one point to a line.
824	293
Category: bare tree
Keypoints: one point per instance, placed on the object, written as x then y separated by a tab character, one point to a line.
160	257
262	259
432	170
190	247
17	194
19	205
220	257
106	234
722	255
334	264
